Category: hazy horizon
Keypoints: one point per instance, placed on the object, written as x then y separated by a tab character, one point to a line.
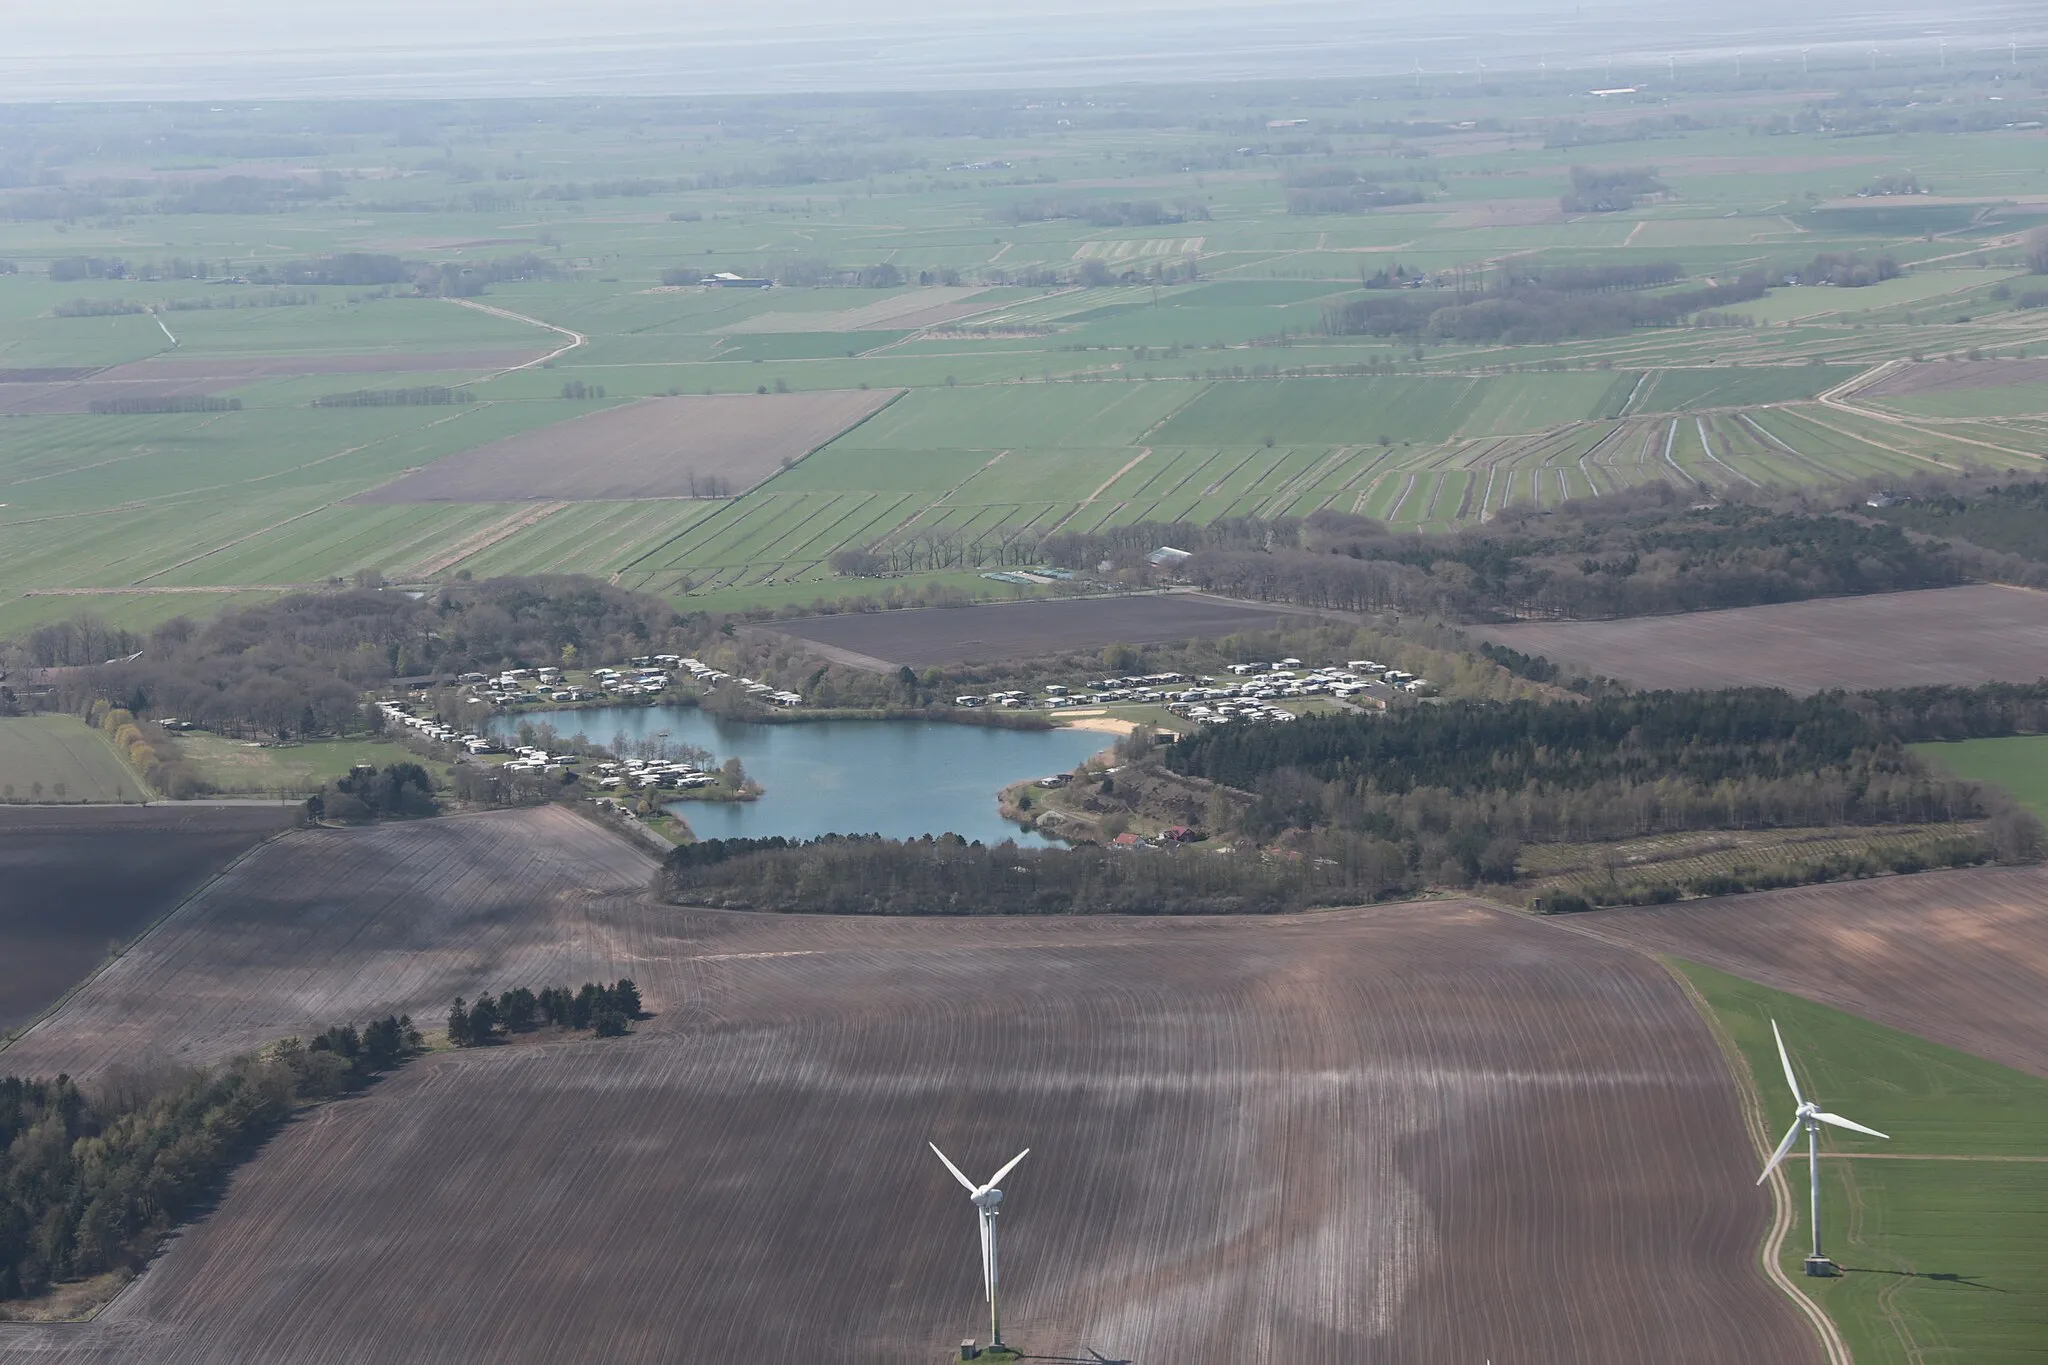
252	49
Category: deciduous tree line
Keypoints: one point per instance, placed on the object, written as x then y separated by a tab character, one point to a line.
1638	552
947	875
299	666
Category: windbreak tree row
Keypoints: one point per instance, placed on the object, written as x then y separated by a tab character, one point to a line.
947	875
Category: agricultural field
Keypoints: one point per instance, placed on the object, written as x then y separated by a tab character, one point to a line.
1094	321
245	768
332	924
939	637
76	884
77	390
61	759
1964	636
2018	763
1937	1228
683	447
1517	1109
1958	957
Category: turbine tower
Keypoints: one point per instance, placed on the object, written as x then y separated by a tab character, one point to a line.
987	1200
1810	1117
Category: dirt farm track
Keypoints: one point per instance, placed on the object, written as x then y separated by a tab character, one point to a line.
1964	636
1430	1132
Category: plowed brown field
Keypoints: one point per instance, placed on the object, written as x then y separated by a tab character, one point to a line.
1958	957
1945	376
654	448
1431	1132
334	925
936	637
1983	633
77	882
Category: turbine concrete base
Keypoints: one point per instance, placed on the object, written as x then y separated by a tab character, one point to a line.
1821	1267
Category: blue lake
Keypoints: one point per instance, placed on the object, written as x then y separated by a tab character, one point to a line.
897	778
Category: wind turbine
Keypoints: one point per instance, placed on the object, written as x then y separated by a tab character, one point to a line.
986	1199
1810	1116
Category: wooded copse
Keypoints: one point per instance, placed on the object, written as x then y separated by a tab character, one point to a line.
1477	774
605	1010
1610	189
92	1178
1531	309
399	791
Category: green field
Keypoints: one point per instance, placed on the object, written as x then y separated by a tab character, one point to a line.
240	768
1133	328
1405	410
57	758
1939	1234
2018	764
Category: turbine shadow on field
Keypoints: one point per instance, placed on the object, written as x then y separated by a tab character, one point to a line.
1941	1276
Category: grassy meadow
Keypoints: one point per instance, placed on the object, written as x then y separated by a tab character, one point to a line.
1937	1229
2019	764
60	759
241	768
1111	314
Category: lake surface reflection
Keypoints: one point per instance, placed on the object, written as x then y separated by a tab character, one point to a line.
897	778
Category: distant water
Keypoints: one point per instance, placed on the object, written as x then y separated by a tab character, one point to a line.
899	778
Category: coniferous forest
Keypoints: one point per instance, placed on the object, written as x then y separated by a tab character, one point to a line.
91	1179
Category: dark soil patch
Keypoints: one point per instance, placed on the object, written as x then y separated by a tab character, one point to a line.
696	446
76	882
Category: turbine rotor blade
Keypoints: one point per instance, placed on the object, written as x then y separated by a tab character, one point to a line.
1786	1058
1791	1136
1841	1122
969	1184
1006	1170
